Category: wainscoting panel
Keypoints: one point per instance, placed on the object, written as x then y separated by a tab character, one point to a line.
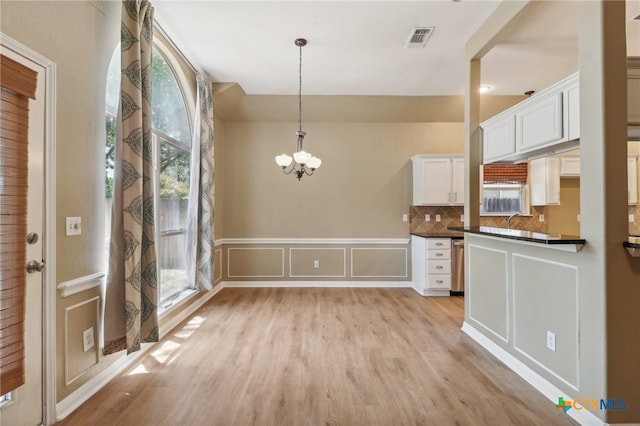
379	262
255	262
340	261
217	267
331	262
541	282
487	287
78	318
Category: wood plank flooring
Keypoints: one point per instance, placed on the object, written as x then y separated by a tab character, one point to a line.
320	356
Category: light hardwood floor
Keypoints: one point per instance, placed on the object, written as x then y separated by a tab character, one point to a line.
320	356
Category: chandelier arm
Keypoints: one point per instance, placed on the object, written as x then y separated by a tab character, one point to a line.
307	170
293	167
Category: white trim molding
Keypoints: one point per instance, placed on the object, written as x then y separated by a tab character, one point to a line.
584	417
67	379
319	283
406	262
311	241
77	285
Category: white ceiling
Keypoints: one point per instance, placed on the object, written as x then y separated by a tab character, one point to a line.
357	47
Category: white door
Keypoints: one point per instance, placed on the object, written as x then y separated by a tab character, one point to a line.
25	406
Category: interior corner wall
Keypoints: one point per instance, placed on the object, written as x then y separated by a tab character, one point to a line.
361	190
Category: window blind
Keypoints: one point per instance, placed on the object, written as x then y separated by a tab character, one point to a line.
505	173
17	85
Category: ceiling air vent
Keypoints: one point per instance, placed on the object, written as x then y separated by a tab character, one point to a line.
419	36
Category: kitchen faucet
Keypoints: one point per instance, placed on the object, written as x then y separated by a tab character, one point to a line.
509	219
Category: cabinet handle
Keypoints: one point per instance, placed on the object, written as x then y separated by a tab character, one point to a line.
439	281
439	267
439	244
439	254
455	196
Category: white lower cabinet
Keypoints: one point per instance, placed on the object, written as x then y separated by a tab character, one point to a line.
431	259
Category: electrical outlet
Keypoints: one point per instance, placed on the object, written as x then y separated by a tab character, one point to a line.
437	218
551	341
427	217
316	264
461	218
73	226
632	218
87	339
578	218
405	217
541	218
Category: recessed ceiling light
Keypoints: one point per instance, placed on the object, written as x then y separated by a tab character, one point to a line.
484	88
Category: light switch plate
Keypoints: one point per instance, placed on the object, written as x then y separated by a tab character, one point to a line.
541	218
73	226
551	341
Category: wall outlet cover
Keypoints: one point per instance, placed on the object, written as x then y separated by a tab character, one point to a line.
437	218
632	218
551	341
427	217
405	217
316	264
87	339
541	218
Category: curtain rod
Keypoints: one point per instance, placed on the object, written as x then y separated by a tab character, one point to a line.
173	45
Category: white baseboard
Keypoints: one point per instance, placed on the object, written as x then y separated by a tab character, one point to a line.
325	284
584	417
93	385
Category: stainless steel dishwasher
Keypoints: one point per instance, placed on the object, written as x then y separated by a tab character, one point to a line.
457	267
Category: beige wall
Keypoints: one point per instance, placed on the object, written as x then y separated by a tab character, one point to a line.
361	190
563	219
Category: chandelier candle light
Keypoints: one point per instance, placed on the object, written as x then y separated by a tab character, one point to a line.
302	162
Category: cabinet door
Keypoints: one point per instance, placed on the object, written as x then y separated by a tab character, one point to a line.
573	112
570	166
457	177
436	181
545	181
498	138
539	122
632	180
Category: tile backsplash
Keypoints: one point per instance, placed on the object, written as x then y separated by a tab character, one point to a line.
634	227
450	216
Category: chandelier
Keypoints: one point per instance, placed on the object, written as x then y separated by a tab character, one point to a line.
302	162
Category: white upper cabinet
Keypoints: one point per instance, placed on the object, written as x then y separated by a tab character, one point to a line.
498	138
438	180
539	122
570	166
548	122
545	181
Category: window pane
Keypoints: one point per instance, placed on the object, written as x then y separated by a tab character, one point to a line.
174	187
501	201
173	274
169	110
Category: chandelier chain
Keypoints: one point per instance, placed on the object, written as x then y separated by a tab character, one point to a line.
300	91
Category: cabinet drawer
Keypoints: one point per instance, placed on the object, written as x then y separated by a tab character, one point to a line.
438	266
438	243
439	254
439	281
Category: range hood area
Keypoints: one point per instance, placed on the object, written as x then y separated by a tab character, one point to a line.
548	123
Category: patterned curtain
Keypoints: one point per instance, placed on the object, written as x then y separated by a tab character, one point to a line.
201	205
131	294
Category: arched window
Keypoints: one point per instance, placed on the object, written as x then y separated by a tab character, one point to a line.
172	148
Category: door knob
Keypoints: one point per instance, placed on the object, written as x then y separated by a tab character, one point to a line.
35	266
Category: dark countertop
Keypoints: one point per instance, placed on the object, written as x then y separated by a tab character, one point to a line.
443	234
517	234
